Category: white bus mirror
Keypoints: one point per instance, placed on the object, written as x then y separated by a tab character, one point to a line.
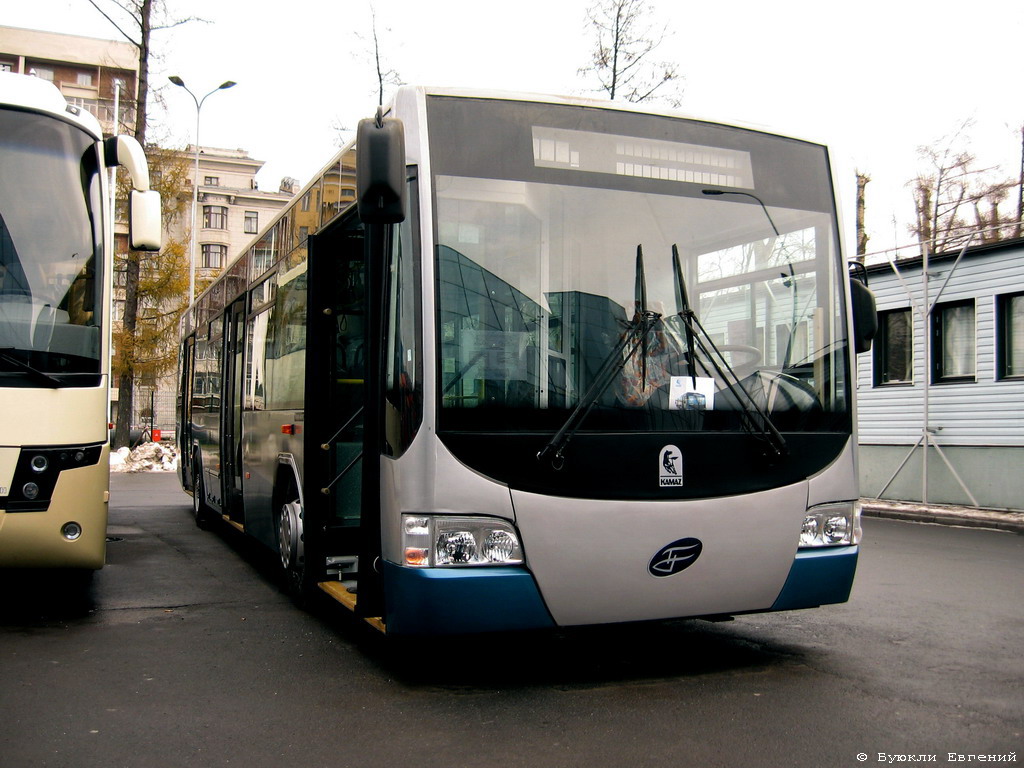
380	170
127	152
144	220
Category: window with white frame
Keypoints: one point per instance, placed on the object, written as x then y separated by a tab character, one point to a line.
954	343
1010	336
894	347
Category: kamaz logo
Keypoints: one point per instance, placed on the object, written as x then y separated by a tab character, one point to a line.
676	557
670	467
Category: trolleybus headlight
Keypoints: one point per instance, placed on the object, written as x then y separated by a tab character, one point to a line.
836	529
39	463
30	491
809	533
429	540
71	531
831	525
455	548
500	546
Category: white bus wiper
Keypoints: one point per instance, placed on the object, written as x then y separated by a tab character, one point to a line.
35	373
753	418
635	337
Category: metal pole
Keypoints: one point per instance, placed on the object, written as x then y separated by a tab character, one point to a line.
195	207
927	332
195	182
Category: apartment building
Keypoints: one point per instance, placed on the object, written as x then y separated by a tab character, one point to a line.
231	209
94	75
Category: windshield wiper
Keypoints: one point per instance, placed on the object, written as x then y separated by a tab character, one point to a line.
752	417
635	337
35	373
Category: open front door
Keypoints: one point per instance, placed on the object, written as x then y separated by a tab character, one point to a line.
335	398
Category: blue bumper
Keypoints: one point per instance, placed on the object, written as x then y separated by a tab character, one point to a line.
818	577
446	601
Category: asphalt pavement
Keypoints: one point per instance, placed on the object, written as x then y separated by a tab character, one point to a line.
186	652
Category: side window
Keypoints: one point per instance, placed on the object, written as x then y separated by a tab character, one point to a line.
894	348
404	383
1010	336
256	361
286	342
954	345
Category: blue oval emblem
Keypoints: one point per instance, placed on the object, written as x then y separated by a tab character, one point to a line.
675	557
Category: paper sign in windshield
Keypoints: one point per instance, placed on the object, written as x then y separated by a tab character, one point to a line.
691	393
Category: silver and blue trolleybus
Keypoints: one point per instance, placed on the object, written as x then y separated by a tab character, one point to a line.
515	362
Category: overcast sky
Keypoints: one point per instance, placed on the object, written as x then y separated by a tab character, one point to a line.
873	78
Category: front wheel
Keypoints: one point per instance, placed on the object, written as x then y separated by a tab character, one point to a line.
200	511
291	546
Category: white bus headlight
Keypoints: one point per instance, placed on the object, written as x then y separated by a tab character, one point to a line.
429	540
501	547
831	525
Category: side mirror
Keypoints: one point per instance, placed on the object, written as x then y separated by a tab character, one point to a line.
126	151
380	170
144	226
144	223
865	316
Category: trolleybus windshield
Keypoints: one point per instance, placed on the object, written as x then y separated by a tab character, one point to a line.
540	214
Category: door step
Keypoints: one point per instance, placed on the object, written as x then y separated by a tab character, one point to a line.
344	594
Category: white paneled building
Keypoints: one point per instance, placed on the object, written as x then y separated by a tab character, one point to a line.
947	371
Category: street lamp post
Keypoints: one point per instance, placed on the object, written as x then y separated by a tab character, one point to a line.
195	184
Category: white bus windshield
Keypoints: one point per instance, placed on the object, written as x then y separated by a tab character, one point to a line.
548	256
50	238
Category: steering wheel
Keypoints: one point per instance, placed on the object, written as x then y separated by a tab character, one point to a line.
752	357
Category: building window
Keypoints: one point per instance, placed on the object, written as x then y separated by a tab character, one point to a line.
42	73
5	67
214	256
894	348
215	217
252	222
1010	336
84	79
211	181
953	348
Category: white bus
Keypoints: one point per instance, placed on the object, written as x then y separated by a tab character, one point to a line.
56	245
513	362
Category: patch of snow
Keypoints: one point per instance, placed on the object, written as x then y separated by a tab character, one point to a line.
148	457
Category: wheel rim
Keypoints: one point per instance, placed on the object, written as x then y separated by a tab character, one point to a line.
197	489
290	536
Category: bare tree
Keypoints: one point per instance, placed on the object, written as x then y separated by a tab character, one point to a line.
623	61
134	20
149	349
1017	230
862	236
954	198
385	75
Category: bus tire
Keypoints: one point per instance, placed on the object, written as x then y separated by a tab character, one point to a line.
200	511
291	547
